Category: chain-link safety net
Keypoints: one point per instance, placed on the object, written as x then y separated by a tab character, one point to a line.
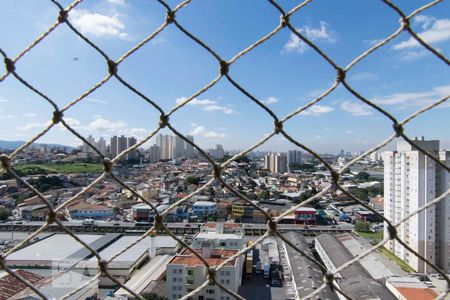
112	73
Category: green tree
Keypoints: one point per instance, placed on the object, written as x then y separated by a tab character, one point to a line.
361	194
153	296
4	213
192	180
362	226
362	176
264	195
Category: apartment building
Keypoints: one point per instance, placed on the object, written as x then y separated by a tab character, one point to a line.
276	162
215	243
186	272
411	180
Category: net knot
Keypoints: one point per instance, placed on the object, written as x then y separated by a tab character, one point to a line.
212	275
224	67
62	17
107	165
163	121
57	116
9	64
4	159
272	226
170	17
329	277
398	128
392	232
284	20
51	217
334	176
278	126
340	74
217	170
103	266
112	67
405	23
159	221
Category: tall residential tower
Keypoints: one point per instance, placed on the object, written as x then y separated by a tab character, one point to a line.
411	180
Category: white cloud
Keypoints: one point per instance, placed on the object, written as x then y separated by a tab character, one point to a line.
412	55
372	42
317	110
30	126
30	115
97	24
225	109
3	99
2	116
120	2
349	132
356	109
209	134
94	100
271	100
313	34
435	31
196	101
207	105
415	99
72	122
101	124
364	76
159	41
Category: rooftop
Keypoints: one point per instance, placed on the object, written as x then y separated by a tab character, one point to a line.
218	256
51	249
417	293
356	282
204	203
10	286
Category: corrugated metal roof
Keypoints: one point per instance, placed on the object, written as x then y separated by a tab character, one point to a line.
10	286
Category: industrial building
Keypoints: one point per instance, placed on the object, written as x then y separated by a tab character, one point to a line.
61	252
353	280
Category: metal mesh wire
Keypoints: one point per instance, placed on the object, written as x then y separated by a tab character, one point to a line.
164	122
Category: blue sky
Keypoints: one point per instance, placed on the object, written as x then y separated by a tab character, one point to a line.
285	73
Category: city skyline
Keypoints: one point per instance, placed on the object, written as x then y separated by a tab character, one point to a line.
223	115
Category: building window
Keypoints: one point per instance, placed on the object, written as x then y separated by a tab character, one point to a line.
210	291
190	272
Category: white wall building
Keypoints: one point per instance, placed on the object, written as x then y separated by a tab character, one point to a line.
202	208
276	162
186	272
411	180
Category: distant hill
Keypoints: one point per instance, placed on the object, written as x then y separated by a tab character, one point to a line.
11	145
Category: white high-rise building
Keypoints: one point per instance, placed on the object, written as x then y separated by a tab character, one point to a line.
88	149
411	180
101	144
154	154
217	153
276	162
165	144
